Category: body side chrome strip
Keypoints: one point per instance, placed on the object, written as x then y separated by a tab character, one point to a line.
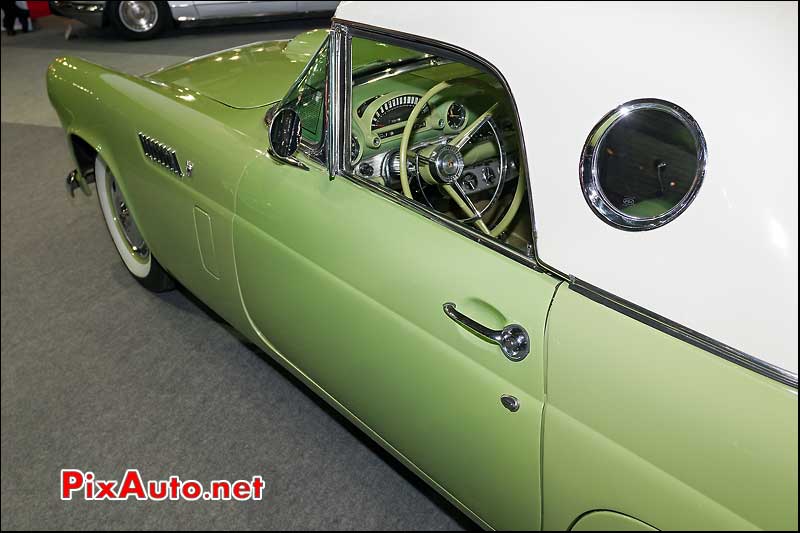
683	333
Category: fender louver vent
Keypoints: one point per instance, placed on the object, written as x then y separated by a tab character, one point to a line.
160	153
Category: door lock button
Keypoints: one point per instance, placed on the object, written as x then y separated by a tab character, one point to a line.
510	403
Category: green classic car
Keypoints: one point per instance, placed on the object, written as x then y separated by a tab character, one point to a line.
494	245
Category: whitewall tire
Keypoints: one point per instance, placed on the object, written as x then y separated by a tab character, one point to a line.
128	241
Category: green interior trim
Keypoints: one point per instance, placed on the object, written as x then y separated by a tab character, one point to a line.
650	208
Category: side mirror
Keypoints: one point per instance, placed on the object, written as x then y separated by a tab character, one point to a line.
284	133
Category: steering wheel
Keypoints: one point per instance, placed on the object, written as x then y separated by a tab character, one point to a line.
442	164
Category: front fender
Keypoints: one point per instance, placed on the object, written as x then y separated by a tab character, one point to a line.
71	89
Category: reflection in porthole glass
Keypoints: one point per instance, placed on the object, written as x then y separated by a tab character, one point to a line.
643	164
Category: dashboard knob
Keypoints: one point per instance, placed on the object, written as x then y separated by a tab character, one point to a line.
365	169
470	181
488	175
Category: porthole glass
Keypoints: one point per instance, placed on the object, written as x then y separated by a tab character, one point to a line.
643	164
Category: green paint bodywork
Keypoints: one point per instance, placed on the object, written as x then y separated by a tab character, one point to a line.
345	288
652	207
655	428
245	76
609	521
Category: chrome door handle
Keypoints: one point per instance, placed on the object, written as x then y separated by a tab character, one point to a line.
513	340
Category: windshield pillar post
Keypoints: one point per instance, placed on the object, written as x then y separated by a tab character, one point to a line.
339	84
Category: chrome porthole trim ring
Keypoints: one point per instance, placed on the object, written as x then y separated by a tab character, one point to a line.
589	175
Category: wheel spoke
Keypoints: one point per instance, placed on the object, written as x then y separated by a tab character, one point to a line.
467	200
460	197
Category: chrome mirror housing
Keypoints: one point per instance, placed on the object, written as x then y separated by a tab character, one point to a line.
284	133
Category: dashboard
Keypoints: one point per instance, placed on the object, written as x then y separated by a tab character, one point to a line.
473	178
378	122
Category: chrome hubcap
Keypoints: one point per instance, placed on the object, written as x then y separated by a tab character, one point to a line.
138	16
124	220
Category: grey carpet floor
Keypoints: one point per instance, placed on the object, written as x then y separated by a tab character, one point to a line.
99	374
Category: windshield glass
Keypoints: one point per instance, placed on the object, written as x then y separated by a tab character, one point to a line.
369	57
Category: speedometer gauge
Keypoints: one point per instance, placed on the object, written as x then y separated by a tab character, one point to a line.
396	110
456	116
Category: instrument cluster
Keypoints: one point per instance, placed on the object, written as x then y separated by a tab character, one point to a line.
379	122
396	111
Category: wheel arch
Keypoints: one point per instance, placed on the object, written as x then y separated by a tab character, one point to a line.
84	154
75	87
101	111
608	520
86	146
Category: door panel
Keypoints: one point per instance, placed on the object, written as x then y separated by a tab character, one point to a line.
349	287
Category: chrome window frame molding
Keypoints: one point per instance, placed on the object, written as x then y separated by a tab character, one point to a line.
339	97
339	163
590	181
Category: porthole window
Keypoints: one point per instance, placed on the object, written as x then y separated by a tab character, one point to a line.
643	164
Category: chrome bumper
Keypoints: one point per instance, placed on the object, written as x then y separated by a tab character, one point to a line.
87	11
72	182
